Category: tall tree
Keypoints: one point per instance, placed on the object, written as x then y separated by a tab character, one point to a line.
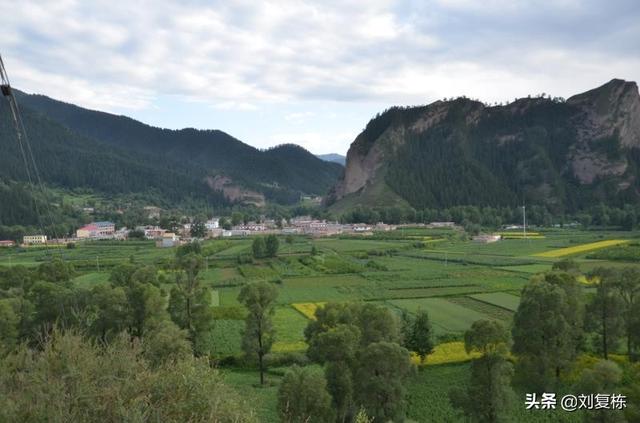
111	313
190	304
259	248
547	329
421	336
629	286
489	397
337	348
303	397
258	336
381	380
603	313
271	245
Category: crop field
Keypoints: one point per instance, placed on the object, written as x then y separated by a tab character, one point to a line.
584	248
500	299
445	316
455	280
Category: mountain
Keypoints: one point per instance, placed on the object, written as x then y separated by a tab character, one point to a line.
280	174
333	157
566	155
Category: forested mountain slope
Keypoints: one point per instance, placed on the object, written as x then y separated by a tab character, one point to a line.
566	155
209	152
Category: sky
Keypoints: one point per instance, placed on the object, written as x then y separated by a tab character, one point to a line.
310	73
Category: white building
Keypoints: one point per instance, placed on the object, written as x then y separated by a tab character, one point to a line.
212	224
34	239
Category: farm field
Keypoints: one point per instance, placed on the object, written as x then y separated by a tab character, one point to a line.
454	279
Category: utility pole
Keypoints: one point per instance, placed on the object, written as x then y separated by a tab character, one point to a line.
524	222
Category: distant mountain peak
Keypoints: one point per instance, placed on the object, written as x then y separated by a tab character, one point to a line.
333	157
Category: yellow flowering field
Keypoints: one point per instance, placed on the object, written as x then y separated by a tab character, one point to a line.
449	352
308	310
583	248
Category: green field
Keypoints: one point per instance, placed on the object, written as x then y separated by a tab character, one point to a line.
455	280
500	299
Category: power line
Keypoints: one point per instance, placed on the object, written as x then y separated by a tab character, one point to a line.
26	152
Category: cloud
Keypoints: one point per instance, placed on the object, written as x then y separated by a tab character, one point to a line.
247	55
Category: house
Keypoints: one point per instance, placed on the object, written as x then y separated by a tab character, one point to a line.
486	239
97	230
34	239
212	224
87	231
151	232
168	240
441	225
7	243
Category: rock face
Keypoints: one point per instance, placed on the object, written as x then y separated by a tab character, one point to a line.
539	149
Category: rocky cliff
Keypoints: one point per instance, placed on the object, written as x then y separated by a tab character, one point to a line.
563	153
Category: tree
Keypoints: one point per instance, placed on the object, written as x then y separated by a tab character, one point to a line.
166	342
259	247
628	284
56	270
237	218
271	245
603	313
78	371
489	397
547	329
110	310
486	337
147	306
337	348
421	336
225	224
198	229
381	380
190	304
9	326
303	397
259	299
338	338
604	378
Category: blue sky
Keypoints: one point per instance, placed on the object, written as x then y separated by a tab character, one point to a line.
311	73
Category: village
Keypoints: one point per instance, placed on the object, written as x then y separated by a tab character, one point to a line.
185	233
213	228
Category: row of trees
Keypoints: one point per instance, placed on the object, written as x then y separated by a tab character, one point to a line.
493	217
134	300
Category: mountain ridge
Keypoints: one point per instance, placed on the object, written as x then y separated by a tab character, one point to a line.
564	154
205	153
